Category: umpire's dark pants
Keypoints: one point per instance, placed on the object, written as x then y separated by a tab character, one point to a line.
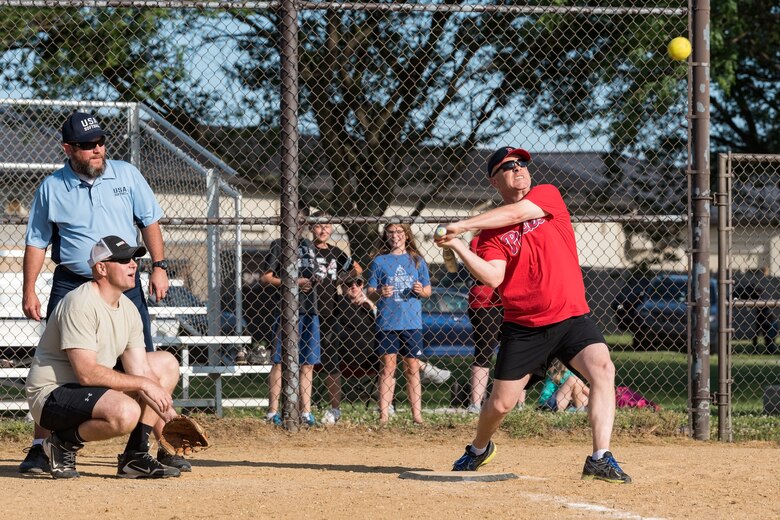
66	280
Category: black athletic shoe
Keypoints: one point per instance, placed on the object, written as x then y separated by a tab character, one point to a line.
35	462
470	462
62	456
174	461
139	464
606	469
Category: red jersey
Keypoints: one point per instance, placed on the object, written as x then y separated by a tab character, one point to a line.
543	280
482	296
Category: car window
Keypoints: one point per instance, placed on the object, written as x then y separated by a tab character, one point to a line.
454	303
432	304
670	290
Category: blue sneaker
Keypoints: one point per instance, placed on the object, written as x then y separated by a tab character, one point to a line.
308	419
470	462
606	469
274	418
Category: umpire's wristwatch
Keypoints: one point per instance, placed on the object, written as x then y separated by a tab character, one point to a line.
162	264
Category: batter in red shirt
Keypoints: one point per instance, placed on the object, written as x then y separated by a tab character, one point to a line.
528	251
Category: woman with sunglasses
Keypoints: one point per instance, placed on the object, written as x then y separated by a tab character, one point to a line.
398	278
357	322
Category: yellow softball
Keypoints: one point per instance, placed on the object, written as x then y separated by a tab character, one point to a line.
679	48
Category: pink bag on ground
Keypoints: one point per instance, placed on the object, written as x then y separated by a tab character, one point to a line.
626	397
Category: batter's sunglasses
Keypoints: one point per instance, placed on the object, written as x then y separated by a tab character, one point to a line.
90	145
511	165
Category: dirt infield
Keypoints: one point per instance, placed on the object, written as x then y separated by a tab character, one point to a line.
261	472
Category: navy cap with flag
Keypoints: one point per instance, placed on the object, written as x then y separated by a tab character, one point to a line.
500	154
81	127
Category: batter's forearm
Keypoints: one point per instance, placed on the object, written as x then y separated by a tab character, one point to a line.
502	216
484	271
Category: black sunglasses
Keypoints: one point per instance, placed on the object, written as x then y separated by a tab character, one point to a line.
90	145
511	165
119	260
359	283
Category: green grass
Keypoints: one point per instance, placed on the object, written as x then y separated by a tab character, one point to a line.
526	423
660	376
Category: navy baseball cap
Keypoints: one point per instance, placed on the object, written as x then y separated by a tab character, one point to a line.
500	154
81	127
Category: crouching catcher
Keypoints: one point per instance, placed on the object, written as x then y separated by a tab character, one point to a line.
73	387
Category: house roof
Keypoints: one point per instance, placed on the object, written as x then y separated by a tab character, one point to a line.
30	135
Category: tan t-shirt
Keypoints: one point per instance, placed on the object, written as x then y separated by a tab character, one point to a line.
81	320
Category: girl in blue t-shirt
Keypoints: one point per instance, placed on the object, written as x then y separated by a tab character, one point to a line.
398	278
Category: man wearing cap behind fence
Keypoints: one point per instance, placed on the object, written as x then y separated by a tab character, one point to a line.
527	250
72	388
89	198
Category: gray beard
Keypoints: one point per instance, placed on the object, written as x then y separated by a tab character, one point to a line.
87	170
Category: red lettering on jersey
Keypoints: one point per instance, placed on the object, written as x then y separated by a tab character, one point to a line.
530	225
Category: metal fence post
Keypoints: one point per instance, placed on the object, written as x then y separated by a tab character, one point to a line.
134	129
725	282
214	304
700	205
290	222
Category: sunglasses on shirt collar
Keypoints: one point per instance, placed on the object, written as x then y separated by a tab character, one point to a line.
90	145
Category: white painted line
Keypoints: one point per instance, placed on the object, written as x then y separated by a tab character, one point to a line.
584	506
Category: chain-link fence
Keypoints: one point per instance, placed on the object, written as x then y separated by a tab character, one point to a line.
400	105
749	267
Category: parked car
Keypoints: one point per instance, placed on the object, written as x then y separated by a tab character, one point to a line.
446	326
627	302
661	319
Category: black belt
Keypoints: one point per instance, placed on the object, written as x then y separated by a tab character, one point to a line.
63	273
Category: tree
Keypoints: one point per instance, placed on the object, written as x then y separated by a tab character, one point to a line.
381	86
101	54
745	57
380	89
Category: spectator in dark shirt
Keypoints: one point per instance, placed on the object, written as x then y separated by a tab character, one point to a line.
308	326
357	324
331	262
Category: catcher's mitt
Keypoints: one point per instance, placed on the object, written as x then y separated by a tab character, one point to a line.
183	436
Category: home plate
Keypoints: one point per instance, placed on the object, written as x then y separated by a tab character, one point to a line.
456	476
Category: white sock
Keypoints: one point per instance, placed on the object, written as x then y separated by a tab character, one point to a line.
37	442
478	451
270	415
598	454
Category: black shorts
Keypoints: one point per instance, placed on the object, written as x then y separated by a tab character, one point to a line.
486	322
530	350
70	405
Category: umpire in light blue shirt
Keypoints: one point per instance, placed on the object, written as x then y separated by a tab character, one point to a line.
88	198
